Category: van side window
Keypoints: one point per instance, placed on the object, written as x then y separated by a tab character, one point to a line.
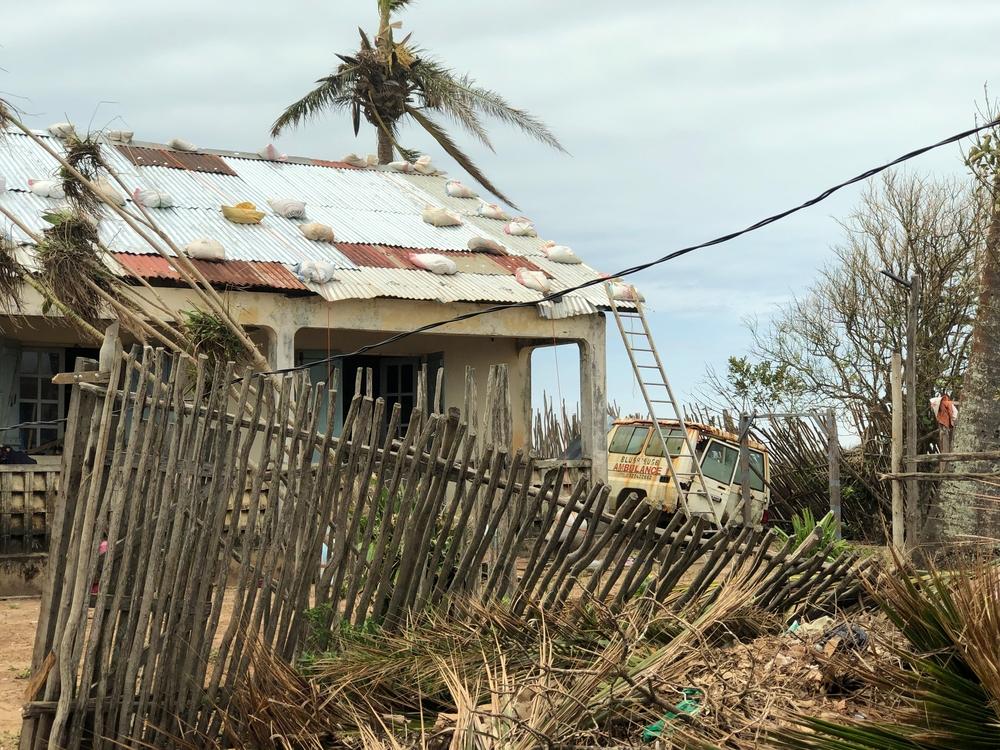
675	443
719	462
628	439
757	471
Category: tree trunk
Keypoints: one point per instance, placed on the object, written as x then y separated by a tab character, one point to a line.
970	509
384	148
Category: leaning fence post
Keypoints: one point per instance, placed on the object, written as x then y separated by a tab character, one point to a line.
744	470
60	527
833	454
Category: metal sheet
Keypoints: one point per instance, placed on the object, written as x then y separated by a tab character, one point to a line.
142	156
232	273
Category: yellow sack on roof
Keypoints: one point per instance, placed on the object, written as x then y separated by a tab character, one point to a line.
243	213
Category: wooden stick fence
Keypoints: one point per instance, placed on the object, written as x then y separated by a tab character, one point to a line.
183	500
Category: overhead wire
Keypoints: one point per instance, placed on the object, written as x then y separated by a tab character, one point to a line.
558	295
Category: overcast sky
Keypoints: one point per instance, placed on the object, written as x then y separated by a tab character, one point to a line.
684	120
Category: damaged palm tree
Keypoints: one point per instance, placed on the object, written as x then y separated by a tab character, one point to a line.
84	156
70	265
391	81
11	277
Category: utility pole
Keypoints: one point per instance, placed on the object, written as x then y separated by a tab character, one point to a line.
898	509
910	371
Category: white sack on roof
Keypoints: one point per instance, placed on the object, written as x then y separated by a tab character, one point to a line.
152	198
521	228
361	162
478	244
288	208
533	280
492	211
205	249
440	217
314	271
423	165
456	189
400	166
317	232
120	136
559	253
62	129
109	192
435	263
270	153
179	144
47	188
622	292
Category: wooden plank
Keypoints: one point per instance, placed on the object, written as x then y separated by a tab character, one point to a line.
896	459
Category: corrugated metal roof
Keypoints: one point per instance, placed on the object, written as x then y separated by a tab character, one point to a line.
367	208
143	156
230	273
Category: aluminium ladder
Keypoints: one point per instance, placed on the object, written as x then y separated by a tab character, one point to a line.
650	374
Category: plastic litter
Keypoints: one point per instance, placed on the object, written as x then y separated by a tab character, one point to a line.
109	192
152	198
533	280
119	136
47	188
243	213
400	166
423	165
270	153
521	227
559	253
205	249
314	271
62	129
435	263
482	244
456	189
845	635
440	217
690	706
492	211
317	232
288	208
179	144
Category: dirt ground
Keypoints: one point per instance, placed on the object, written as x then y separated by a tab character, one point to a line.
18	618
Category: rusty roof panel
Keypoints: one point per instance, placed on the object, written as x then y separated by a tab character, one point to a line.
231	273
142	156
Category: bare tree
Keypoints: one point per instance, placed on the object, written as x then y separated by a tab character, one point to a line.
832	345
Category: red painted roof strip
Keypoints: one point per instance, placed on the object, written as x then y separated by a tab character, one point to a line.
234	273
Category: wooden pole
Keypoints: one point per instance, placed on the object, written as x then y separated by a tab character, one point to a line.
910	371
898	509
744	470
833	457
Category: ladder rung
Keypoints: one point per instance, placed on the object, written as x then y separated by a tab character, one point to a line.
661	385
649	367
635	349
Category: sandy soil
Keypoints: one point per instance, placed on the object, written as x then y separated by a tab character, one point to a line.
18	618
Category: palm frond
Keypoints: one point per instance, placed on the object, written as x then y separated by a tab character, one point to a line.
451	148
437	92
331	93
449	88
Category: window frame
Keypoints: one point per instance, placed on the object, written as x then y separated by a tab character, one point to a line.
725	446
631	437
33	443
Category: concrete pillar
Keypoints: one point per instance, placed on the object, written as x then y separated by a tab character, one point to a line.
281	347
594	398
